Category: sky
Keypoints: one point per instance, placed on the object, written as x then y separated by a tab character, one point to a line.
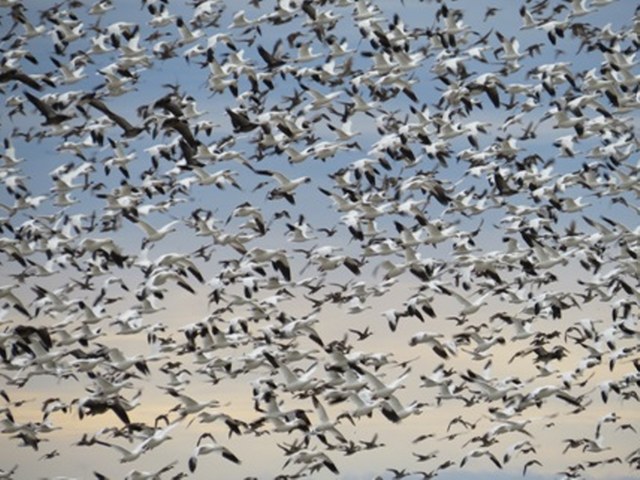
573	208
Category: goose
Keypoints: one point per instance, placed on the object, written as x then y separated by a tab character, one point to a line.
529	464
293	382
523	329
126	455
395	411
381	389
247	210
573	205
483	344
286	187
324	424
66	31
539	394
305	53
356	306
239	119
176	381
14	183
64	177
207	448
420	457
159	435
553	29
480	452
353	382
187	36
436	378
282	421
509	49
300	231
393	317
548	258
69	76
524	447
8	474
470	307
566	145
338	48
240	20
442	349
7	295
215	339
145	475
29	438
38	349
120	362
384	247
594	445
371	444
128	130
220	179
157	279
579	8
190	406
161	15
129	324
52	117
296	156
438	234
364	404
312	460
296	327
120	160
177	261
9	155
277	257
105	387
232	423
604	233
528	22
510	426
99	44
152	234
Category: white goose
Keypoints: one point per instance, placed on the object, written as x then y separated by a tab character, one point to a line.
155	234
395	411
207	448
324	424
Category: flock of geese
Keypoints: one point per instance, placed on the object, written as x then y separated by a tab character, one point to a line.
411	219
